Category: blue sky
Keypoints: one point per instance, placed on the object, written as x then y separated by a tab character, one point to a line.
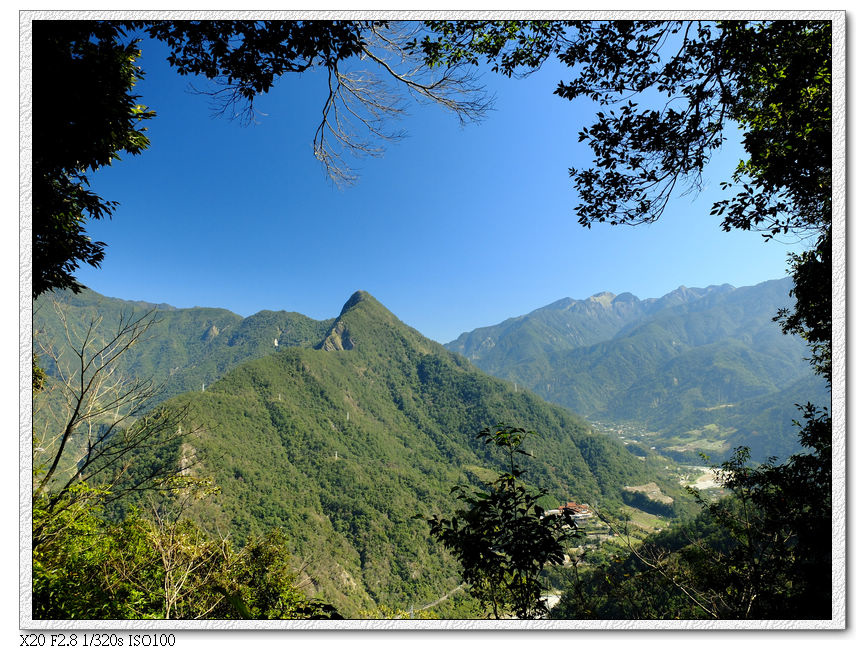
452	228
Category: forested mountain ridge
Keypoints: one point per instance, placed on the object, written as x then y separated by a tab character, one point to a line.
693	358
343	442
185	347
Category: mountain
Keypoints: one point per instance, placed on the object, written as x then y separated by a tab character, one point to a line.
567	324
345	440
692	359
520	348
184	348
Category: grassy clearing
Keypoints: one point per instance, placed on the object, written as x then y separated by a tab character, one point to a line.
652	491
710	438
645	521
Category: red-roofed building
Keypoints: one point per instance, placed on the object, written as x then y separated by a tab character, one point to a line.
577	510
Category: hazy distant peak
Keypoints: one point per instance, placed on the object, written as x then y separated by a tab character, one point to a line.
563	303
686	294
626	297
604	297
682	294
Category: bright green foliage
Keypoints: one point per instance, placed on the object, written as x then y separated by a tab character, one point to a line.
64	565
87	568
262	583
501	537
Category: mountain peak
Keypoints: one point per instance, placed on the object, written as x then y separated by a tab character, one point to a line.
367	324
563	303
605	298
625	297
356	297
339	337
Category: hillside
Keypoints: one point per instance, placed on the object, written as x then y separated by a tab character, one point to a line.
691	359
184	348
343	442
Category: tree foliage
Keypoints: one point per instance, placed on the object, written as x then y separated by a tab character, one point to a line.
675	85
159	567
674	88
777	520
91	418
667	363
101	438
811	315
760	552
668	92
501	536
245	59
340	448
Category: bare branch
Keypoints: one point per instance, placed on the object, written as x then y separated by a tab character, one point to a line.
93	419
360	103
658	566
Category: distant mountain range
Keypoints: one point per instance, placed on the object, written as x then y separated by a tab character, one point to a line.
703	368
343	431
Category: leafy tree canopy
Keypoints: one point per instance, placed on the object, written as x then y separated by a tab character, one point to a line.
702	74
159	567
501	536
668	92
250	56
